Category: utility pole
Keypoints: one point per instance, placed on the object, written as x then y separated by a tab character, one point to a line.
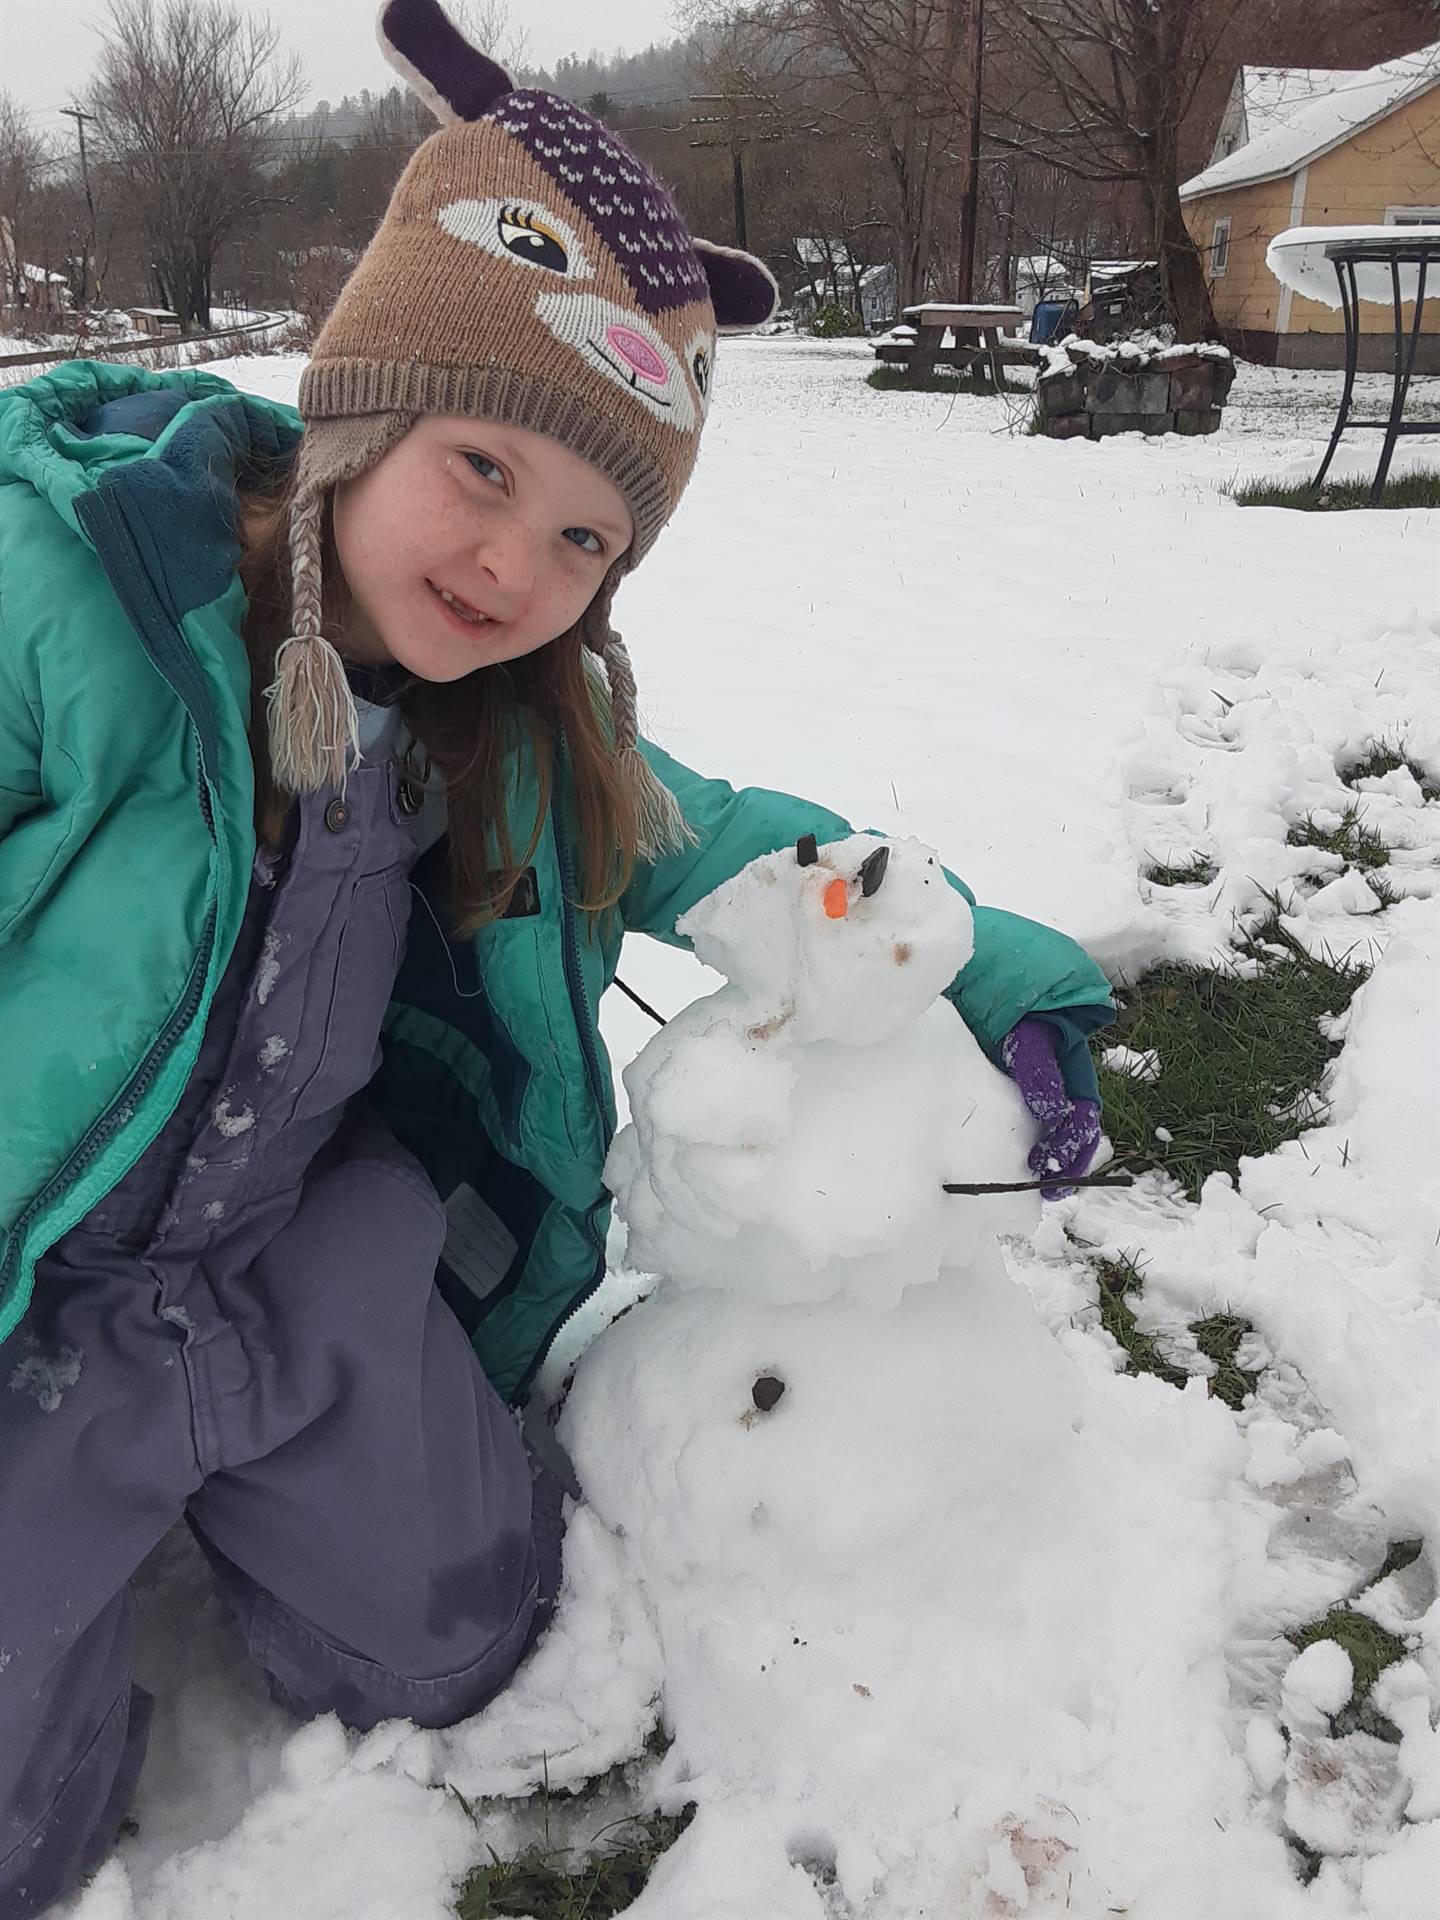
742	130
970	206
736	142
79	116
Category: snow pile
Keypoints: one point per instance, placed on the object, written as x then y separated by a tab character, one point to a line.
1327	1248
1248	742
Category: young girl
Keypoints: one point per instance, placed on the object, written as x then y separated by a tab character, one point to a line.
306	732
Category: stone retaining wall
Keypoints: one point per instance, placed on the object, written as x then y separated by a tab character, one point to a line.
1088	392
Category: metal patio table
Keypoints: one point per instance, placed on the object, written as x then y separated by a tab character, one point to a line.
1390	254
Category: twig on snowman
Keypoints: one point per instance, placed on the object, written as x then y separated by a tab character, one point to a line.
1050	1180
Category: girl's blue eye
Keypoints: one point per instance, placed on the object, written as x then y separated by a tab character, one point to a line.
578	536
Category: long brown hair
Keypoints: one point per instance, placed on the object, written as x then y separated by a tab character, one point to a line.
470	728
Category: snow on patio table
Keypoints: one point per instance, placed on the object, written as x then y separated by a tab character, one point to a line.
1298	259
1062	1591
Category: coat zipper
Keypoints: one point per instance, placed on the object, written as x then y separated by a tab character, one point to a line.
574	977
108	529
575	982
121	1108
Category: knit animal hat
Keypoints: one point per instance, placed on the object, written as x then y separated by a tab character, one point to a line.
529	269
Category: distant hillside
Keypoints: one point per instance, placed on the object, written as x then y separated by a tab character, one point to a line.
659	75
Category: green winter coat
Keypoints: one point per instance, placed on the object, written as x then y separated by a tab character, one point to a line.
127	842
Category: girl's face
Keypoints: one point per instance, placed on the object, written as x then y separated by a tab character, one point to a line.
471	542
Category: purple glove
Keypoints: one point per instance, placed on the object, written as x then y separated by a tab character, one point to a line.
1069	1129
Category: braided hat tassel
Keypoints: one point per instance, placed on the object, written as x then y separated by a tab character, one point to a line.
313	726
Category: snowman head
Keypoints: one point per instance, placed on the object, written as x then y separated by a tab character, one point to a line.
847	942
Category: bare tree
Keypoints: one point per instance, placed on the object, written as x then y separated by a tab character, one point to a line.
1103	88
487	25
22	167
888	73
188	96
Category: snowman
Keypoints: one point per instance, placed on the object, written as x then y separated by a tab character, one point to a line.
792	1134
834	1446
856	1524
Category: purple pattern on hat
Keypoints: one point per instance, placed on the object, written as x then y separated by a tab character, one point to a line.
617	193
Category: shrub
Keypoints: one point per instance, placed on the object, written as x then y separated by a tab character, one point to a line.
833	320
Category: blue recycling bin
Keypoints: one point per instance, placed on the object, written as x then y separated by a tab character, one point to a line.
1053	319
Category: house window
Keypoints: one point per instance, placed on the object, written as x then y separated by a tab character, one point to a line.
1220	247
1412	216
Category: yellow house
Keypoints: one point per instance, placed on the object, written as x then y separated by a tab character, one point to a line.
1331	149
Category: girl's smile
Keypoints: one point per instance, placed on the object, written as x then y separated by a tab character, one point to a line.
459	609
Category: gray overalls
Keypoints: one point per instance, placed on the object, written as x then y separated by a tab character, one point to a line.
246	1332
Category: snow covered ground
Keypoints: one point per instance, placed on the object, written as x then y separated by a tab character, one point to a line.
971	1624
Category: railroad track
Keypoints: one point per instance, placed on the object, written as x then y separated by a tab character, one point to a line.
134	349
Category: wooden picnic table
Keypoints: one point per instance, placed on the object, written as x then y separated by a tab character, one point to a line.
978	341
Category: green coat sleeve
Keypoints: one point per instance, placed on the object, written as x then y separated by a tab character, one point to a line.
1018	967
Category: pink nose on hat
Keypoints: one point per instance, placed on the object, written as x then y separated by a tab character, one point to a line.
637	352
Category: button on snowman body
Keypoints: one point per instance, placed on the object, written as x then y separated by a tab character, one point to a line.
791	1134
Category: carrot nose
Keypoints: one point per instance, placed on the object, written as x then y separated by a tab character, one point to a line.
837	900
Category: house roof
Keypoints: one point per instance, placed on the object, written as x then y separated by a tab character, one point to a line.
1273	95
1307	131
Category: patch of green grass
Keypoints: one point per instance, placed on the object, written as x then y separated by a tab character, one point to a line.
1357	845
1371	1650
1197	871
938	380
566	1883
1117	1278
1218	1338
1370	1646
1418	489
1241	1056
1384	757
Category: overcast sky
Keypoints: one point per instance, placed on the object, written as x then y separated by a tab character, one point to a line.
47	47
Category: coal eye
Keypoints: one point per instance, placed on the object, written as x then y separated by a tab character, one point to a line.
872	872
528	238
700	366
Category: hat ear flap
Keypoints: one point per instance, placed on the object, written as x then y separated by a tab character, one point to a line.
437	62
742	289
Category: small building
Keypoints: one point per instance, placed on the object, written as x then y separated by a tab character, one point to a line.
1333	149
878	295
153	319
38	290
876	288
46	292
1042	276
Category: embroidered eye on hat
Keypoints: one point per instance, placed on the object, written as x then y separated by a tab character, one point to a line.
529	269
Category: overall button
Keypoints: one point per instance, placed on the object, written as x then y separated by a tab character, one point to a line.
409	798
337	816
